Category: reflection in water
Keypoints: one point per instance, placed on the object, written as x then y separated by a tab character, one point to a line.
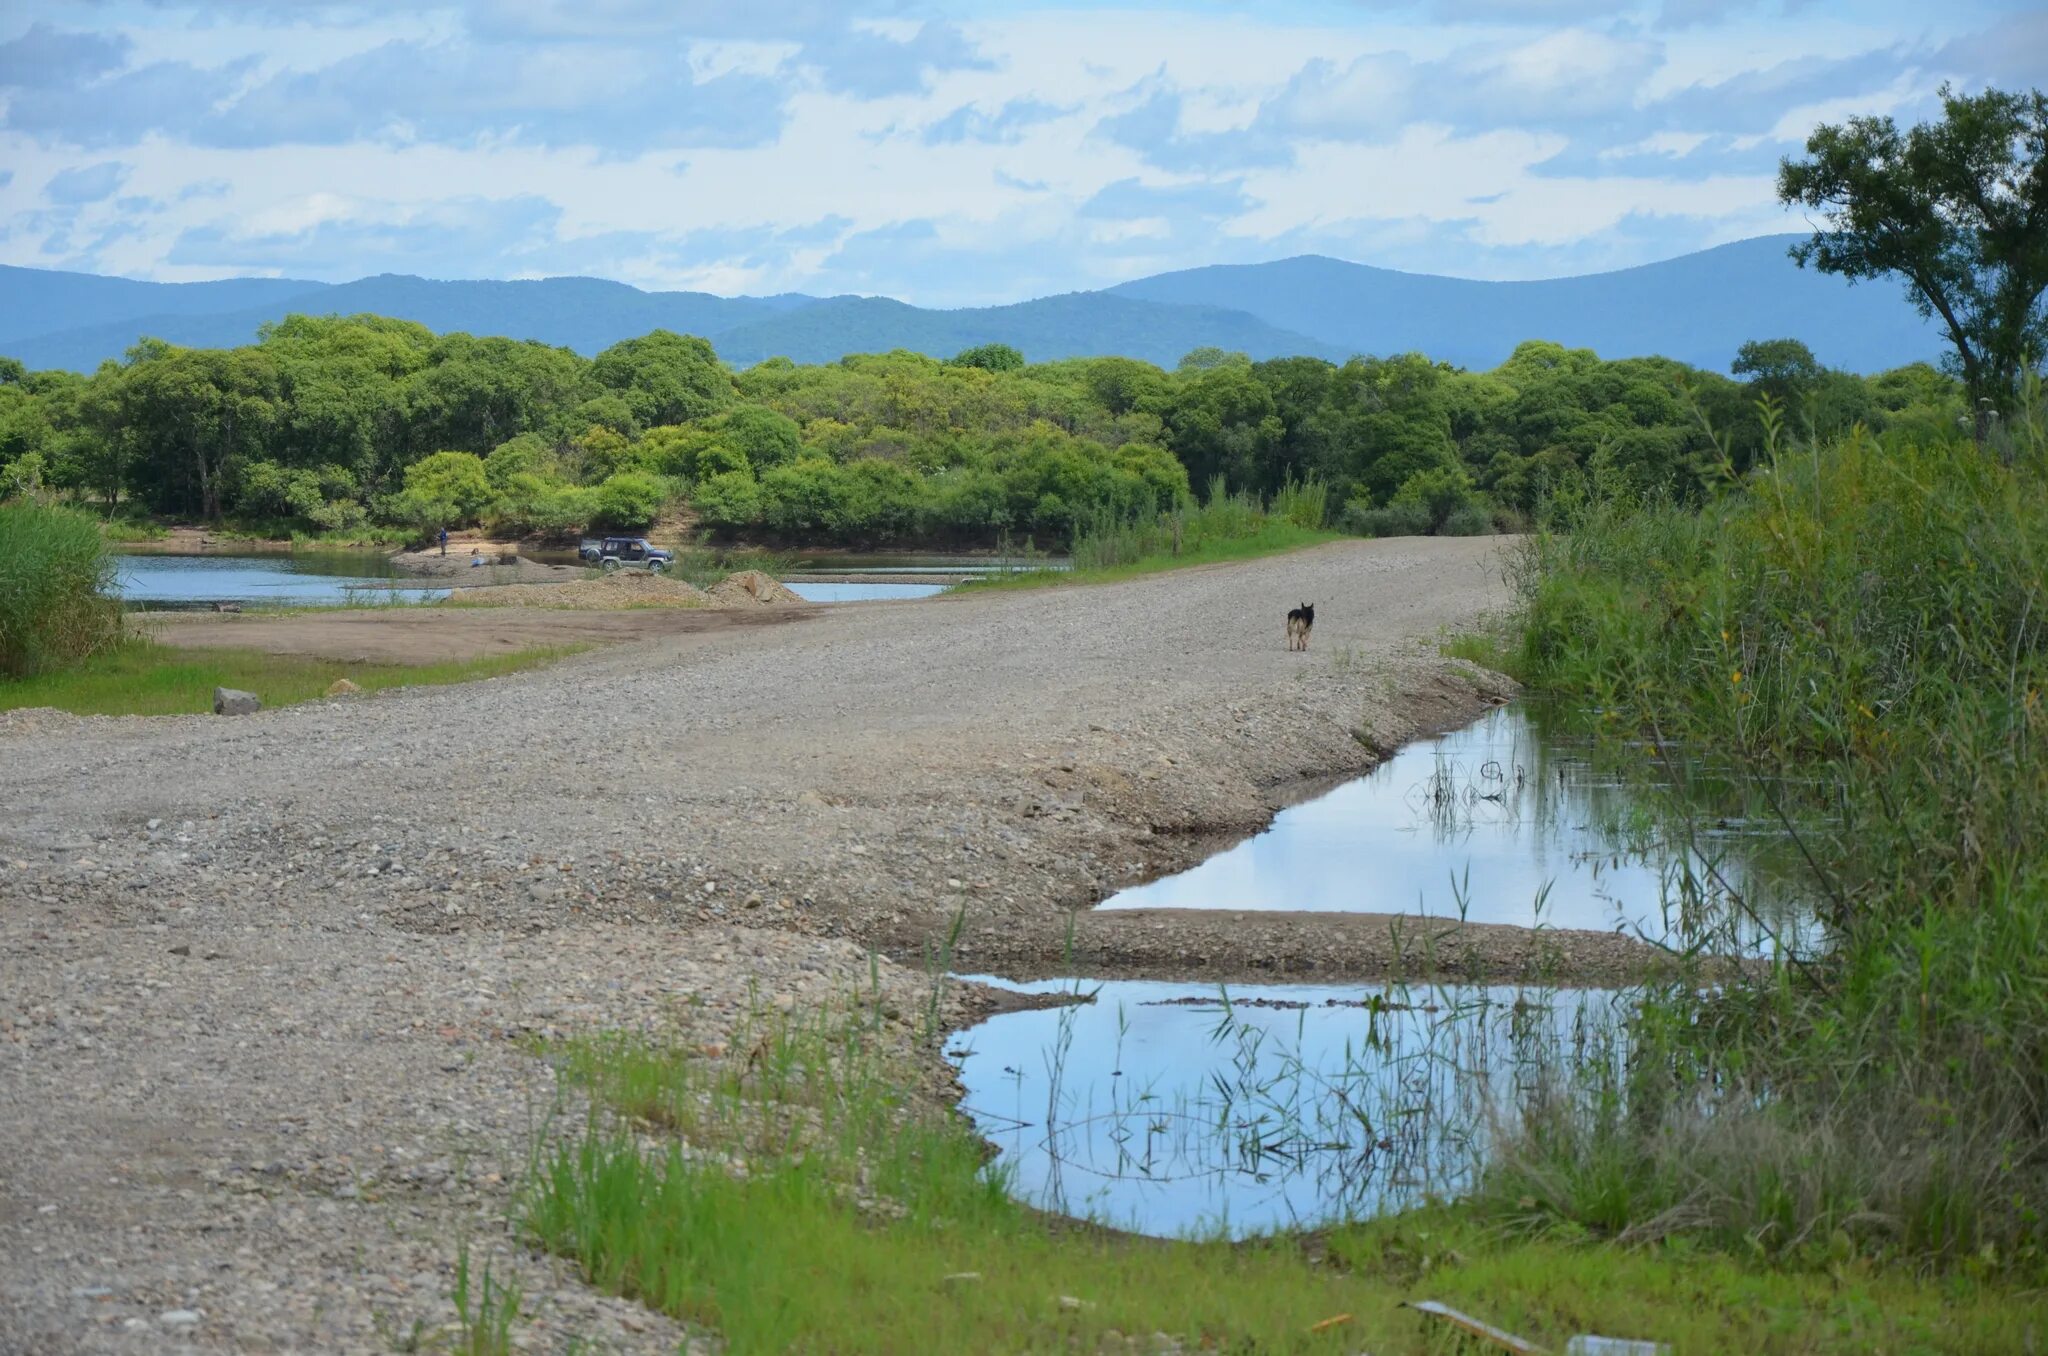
1174	1110
299	580
856	593
1500	822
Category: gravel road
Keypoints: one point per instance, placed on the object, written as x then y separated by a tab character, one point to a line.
260	978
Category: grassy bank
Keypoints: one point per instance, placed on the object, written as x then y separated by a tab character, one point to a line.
1224	527
796	1198
141	678
1855	630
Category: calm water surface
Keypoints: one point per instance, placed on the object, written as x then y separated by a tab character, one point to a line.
856	593
1500	822
301	579
1158	1108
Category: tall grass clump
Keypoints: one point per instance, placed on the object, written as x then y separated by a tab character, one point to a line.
1221	526
1857	632
56	582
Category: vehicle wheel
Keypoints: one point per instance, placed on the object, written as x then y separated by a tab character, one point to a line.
655	567
609	566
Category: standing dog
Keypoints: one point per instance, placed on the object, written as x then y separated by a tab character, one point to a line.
1300	622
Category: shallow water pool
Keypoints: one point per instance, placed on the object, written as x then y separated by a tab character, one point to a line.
326	579
1503	821
1184	1111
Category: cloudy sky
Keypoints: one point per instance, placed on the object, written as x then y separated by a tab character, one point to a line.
948	154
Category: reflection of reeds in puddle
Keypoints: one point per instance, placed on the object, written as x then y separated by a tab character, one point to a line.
1276	1112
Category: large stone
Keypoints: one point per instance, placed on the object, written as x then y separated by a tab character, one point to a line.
228	701
342	687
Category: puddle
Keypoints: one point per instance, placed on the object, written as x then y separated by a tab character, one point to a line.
862	592
1157	1108
1500	822
354	579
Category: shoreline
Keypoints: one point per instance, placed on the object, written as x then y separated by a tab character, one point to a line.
273	985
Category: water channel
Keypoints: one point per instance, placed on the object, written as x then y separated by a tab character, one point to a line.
298	579
1184	1109
368	578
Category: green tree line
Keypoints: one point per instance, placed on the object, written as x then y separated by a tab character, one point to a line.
331	423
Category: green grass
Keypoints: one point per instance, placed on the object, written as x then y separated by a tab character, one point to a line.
55	575
1855	632
143	678
856	1202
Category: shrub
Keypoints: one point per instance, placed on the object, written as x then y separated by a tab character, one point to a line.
1854	632
1469	521
629	499
1395	520
56	581
1440	490
1305	503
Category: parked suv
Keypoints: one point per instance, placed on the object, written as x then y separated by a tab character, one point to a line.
624	553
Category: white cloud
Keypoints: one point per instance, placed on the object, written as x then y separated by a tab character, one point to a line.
889	147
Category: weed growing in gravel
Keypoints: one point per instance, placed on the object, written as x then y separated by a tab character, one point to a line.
486	1314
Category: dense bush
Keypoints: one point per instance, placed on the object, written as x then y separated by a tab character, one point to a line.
56	583
1854	633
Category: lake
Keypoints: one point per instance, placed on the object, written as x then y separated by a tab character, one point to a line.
300	579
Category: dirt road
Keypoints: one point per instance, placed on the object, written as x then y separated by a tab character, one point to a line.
259	977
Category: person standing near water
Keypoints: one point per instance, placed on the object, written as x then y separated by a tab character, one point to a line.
444	541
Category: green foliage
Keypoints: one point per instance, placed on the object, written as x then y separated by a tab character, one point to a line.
1955	209
927	453
993	357
1439	491
447	489
665	378
1853	632
628	499
56	582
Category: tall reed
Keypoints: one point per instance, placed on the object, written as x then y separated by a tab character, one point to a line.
1858	632
56	586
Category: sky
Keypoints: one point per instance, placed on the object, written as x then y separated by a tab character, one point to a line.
957	154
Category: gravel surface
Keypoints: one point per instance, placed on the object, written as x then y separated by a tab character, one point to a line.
263	979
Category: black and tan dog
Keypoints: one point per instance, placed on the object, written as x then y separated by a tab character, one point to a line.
1300	622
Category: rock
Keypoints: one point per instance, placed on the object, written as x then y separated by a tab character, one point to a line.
228	701
178	1318
342	687
960	1277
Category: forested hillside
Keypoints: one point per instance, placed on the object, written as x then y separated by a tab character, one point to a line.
329	424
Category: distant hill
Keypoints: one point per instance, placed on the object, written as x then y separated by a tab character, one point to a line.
1075	325
586	314
1698	308
37	301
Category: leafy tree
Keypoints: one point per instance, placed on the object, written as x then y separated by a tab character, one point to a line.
195	414
993	357
762	436
666	378
628	499
1959	208
446	489
1783	369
